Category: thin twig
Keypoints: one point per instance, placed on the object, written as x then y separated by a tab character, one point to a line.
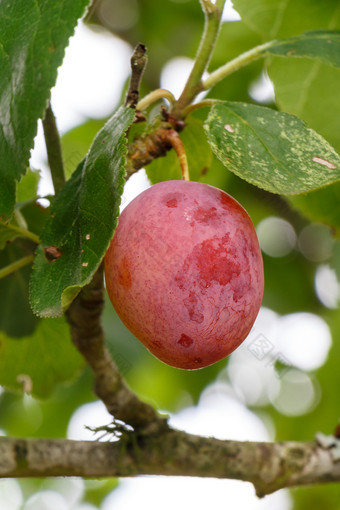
15	266
21	231
138	61
53	147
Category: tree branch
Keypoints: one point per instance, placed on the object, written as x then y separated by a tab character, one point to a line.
88	336
154	145
268	466
138	61
213	16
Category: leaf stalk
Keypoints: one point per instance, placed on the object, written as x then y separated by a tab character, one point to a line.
235	64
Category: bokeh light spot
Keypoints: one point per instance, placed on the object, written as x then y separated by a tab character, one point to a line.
327	286
229	13
175	73
118	15
46	500
276	236
298	394
304	339
11	497
262	89
316	242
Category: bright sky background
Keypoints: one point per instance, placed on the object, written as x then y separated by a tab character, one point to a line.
88	87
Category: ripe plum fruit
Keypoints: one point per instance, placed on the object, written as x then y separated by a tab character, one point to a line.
184	272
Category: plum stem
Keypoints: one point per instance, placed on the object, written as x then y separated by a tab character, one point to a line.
177	144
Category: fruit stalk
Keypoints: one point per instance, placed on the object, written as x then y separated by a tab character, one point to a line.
178	147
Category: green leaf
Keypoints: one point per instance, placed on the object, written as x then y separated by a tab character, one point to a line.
198	154
32	218
309	90
272	150
28	186
303	87
41	361
14	302
283	19
76	143
83	219
32	43
164	169
26	189
35	215
7	193
323	45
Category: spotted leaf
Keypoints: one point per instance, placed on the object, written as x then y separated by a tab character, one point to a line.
273	150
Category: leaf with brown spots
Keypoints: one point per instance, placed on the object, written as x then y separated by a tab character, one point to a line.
82	222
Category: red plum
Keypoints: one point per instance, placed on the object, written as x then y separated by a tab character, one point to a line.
184	272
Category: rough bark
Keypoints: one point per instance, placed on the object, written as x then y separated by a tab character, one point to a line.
269	466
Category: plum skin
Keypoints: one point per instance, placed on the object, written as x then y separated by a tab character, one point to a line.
184	272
